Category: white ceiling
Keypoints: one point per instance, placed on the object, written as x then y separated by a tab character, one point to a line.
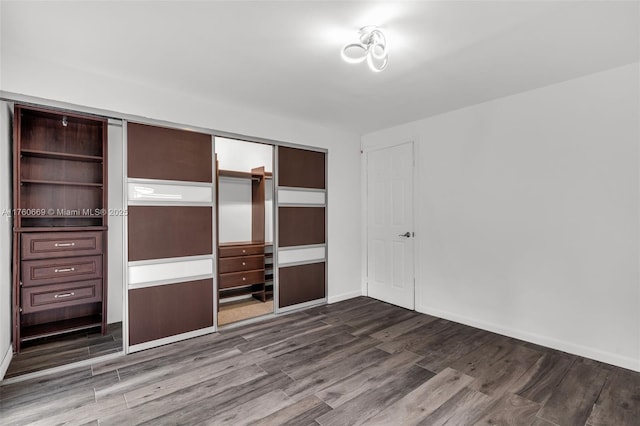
283	57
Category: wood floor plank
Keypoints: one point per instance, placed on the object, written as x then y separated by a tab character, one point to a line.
191	394
464	408
144	394
253	410
196	353
153	377
510	409
311	338
65	396
310	354
370	378
415	338
619	401
497	367
302	369
34	393
424	400
539	382
396	330
572	400
443	349
373	325
360	409
302	412
282	334
204	409
85	414
156	355
333	372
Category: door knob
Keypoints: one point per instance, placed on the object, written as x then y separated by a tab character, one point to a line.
406	235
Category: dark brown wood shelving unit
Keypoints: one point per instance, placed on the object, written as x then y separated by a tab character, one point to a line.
60	181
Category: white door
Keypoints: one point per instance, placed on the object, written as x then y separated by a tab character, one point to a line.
390	242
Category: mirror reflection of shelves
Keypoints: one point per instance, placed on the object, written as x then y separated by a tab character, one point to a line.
245	253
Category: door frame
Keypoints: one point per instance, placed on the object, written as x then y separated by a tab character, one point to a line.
365	149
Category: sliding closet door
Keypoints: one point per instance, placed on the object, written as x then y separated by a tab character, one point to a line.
301	242
169	235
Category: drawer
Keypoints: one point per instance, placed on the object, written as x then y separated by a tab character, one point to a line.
46	297
51	271
242	250
47	245
237	279
244	263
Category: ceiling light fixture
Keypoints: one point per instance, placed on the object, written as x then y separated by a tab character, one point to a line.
372	48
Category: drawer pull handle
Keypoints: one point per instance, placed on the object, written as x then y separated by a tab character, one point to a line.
65	270
244	263
244	278
61	295
64	244
244	251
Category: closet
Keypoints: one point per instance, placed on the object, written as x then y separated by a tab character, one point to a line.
207	229
245	229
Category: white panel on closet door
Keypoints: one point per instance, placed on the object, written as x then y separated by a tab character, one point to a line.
301	254
143	274
168	192
300	196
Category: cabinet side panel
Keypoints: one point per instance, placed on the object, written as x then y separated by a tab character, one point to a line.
302	283
300	226
301	168
159	232
168	154
168	310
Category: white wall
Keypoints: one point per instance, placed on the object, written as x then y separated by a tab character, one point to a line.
528	215
60	82
6	243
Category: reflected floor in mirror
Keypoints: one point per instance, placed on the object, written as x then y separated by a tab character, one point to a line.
65	349
231	312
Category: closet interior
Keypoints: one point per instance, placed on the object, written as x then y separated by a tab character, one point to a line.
245	229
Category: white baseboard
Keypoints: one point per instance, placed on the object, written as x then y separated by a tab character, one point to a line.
550	342
344	296
6	360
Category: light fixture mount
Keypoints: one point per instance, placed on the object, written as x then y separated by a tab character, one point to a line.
372	48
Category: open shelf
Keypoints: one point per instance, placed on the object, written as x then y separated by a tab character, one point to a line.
60	155
53	328
53	182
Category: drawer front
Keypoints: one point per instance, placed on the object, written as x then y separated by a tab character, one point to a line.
237	264
235	251
41	272
237	279
46	245
45	297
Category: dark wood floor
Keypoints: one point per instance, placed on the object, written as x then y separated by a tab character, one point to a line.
65	349
355	362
